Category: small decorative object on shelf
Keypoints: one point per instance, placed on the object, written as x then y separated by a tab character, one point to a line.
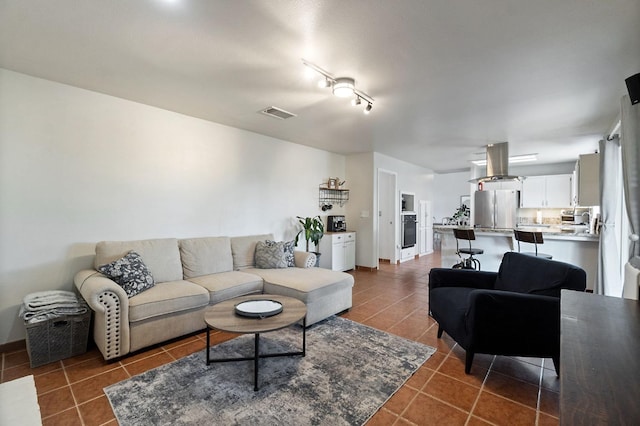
334	183
332	193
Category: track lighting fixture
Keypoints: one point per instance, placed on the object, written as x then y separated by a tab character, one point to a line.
343	87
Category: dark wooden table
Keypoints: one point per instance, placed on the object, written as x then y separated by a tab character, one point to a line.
599	360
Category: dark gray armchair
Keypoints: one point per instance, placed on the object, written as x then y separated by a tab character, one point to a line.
515	311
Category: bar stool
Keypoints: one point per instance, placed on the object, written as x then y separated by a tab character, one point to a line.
534	238
470	262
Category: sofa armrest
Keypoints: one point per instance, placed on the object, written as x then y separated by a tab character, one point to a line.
506	320
304	259
110	305
446	277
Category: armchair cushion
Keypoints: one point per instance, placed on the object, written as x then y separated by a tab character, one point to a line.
511	323
533	275
445	277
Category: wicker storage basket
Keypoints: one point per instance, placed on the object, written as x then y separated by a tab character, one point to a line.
57	338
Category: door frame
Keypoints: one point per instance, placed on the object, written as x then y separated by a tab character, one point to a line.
391	200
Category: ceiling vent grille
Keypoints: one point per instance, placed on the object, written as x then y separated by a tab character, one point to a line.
277	113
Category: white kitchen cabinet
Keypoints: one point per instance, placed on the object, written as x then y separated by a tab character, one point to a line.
534	192
338	251
502	184
588	174
551	191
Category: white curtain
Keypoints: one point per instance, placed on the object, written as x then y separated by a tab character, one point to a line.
630	128
630	142
609	280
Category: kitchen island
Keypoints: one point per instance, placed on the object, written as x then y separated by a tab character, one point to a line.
578	248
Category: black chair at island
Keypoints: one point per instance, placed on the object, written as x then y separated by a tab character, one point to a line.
530	237
514	312
470	262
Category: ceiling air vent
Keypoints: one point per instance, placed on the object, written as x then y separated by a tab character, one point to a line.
277	113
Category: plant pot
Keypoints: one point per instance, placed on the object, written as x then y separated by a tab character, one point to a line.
317	258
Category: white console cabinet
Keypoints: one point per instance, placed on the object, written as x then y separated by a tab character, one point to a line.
338	251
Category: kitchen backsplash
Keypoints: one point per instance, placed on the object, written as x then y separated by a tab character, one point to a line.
536	216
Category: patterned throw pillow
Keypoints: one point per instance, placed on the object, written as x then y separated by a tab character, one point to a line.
130	273
288	247
270	256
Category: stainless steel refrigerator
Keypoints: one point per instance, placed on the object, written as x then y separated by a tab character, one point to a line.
496	209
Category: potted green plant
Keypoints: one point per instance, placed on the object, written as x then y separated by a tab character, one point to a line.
461	216
313	229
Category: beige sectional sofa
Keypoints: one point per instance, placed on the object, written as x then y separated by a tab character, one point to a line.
190	275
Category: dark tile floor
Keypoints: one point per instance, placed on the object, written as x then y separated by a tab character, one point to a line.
500	390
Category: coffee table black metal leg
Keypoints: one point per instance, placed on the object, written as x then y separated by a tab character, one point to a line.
256	362
256	353
304	336
208	345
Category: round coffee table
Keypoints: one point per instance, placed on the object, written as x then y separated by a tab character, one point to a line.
222	316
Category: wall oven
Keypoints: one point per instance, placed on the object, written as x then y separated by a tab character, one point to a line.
409	230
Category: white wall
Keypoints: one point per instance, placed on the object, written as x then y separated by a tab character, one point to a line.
77	167
363	169
360	180
448	188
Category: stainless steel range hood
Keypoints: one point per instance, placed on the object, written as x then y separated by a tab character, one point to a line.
497	164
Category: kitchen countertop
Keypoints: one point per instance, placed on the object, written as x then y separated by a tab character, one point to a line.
553	232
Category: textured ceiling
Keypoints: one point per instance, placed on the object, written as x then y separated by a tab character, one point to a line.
447	77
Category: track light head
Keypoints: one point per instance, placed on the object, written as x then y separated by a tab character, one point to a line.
367	109
324	83
356	101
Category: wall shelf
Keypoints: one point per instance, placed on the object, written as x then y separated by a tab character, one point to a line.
331	196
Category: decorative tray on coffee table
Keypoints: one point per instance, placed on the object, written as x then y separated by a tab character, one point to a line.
258	308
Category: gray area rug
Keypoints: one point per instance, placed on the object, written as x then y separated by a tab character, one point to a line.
349	371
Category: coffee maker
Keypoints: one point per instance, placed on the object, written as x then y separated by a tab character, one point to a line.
336	224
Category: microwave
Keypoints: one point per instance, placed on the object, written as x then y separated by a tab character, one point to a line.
336	224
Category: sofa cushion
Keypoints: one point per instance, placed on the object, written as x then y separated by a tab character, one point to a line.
305	284
270	254
161	256
288	247
204	256
167	298
227	285
130	273
243	250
